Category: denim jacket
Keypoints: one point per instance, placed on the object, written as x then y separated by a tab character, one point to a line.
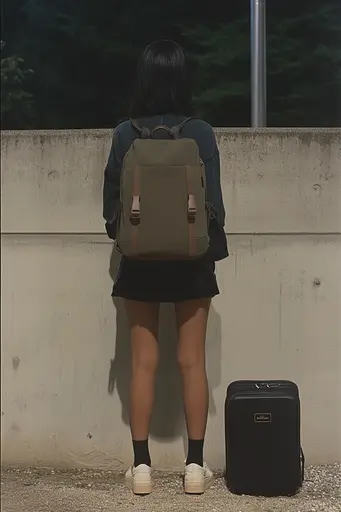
195	129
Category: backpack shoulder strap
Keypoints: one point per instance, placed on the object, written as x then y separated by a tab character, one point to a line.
142	130
176	130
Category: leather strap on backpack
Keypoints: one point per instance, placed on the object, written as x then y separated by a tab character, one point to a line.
176	130
135	210
142	130
191	213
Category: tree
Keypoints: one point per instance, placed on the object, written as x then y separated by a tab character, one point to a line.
222	73
304	67
16	102
84	55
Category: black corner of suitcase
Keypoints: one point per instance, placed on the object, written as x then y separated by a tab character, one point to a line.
263	438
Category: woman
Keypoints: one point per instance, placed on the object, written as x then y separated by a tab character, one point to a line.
164	97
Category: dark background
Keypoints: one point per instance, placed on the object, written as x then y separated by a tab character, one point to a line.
71	63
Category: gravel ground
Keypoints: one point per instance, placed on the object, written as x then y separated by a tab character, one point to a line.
44	490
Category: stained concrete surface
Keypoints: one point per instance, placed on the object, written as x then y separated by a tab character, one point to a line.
65	364
43	490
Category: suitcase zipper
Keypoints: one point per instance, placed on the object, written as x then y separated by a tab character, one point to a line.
255	394
266	393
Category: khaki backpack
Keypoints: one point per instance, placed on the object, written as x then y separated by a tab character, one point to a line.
164	214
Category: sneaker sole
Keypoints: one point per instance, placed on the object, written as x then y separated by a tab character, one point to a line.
141	488
197	487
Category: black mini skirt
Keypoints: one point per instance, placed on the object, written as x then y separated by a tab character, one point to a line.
165	281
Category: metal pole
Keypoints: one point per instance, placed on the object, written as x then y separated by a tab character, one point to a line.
258	63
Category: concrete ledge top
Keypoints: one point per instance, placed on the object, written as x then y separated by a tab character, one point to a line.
230	130
274	180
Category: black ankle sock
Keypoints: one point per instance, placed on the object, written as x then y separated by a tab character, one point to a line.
195	452
141	453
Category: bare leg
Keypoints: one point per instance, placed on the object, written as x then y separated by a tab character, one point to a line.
192	319
143	318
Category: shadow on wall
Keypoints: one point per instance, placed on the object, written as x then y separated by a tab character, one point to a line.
168	419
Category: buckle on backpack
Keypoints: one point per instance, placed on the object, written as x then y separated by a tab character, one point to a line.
192	209
135	208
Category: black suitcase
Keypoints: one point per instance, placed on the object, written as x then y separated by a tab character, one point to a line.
263	446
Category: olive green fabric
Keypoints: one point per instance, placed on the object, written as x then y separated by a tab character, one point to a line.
163	213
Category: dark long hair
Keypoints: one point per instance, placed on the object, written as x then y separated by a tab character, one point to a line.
163	81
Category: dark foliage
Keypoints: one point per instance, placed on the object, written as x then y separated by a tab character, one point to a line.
83	55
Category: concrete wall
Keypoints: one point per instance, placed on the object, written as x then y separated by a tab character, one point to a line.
65	348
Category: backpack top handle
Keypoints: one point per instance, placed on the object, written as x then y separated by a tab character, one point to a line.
146	133
174	132
163	128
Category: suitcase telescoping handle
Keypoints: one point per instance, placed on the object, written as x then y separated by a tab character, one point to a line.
267	385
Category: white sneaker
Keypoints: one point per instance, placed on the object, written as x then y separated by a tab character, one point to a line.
197	478
139	479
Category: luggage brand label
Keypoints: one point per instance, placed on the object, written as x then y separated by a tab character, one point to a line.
262	417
